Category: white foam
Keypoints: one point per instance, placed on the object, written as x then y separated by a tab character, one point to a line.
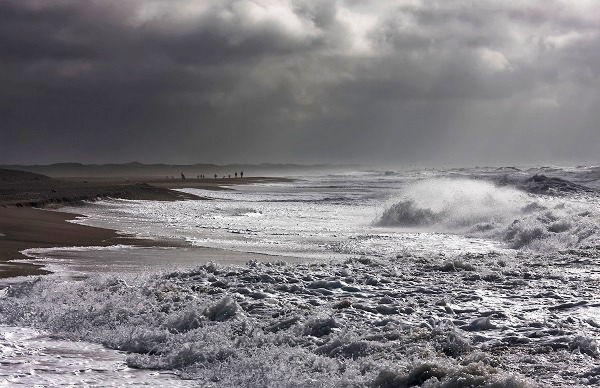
317	218
452	203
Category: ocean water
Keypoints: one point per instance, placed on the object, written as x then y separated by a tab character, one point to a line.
437	278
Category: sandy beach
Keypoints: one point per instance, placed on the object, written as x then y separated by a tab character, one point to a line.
24	228
27	221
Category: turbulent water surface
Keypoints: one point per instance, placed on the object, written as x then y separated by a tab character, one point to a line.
475	277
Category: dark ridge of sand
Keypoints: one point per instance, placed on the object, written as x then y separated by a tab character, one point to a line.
24	189
134	169
20	188
23	226
16	177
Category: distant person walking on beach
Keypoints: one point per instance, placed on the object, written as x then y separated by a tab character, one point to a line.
241	174
182	177
236	174
215	176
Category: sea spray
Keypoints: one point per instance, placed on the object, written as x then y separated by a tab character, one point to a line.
481	209
453	203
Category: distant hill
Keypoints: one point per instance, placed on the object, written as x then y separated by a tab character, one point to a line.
135	169
9	176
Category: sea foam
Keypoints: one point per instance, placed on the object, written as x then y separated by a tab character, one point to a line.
365	322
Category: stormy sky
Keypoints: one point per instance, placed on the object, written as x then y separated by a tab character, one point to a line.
224	81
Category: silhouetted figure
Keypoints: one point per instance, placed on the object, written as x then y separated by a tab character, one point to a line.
236	174
241	174
215	176
229	176
182	177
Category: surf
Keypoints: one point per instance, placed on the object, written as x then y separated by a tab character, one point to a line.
482	209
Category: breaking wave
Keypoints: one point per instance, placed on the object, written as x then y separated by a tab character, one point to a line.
482	209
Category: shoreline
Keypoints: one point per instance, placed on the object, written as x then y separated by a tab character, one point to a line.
26	228
40	191
30	215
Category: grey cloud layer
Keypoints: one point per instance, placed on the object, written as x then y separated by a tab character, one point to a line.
227	81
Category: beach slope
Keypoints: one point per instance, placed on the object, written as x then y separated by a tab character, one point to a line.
25	222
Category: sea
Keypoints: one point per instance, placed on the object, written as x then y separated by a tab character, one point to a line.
461	277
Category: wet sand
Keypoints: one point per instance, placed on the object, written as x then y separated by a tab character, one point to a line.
24	225
24	228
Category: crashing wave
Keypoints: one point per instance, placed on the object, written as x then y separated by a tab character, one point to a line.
482	209
406	213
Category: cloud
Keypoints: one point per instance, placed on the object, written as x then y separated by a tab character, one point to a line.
298	80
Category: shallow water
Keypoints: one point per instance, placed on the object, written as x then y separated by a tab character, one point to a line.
316	218
370	280
31	358
119	259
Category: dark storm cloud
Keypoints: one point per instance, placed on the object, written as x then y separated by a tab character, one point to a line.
261	80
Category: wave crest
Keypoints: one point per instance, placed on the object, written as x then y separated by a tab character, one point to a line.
452	203
407	213
482	209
